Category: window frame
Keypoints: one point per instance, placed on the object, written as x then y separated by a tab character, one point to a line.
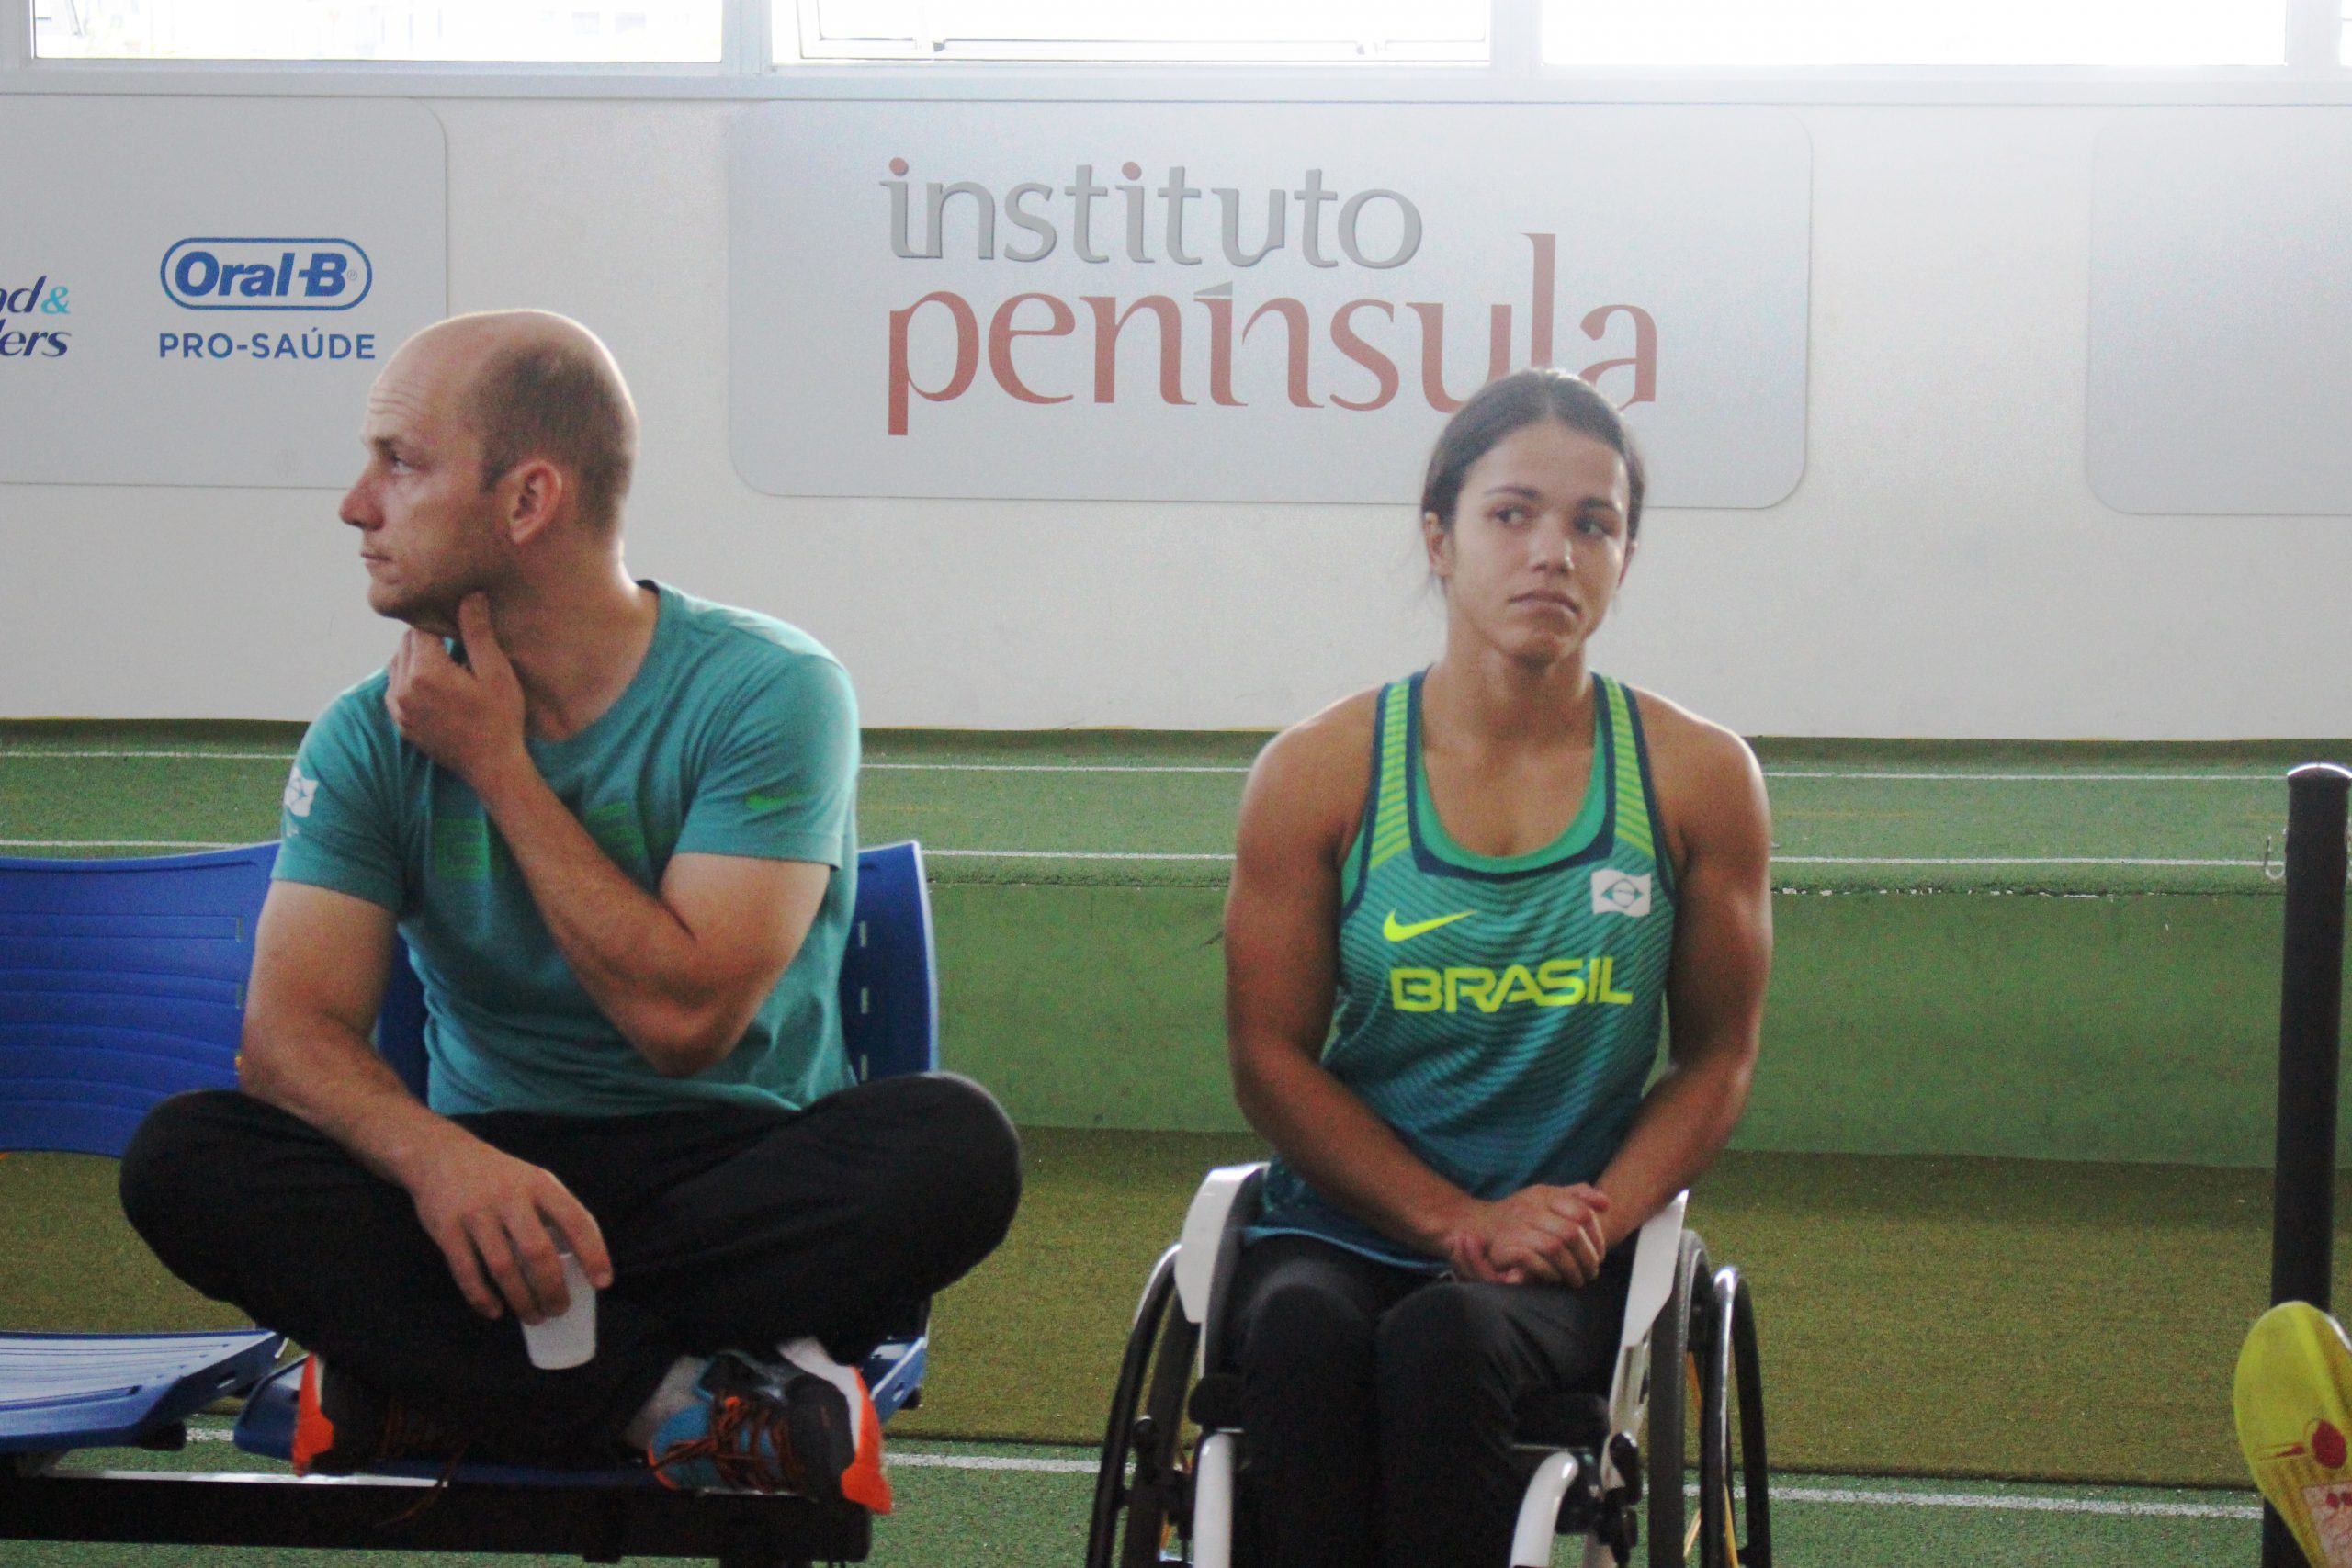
1514	72
1328	54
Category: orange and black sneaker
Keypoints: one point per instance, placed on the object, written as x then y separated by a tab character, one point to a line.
342	1427
773	1427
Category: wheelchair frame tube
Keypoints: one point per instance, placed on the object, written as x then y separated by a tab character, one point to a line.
1213	1502
1539	1511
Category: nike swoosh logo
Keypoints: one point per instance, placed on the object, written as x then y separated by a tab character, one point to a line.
1396	933
758	802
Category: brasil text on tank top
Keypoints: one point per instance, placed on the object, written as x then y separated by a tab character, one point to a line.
1502	1013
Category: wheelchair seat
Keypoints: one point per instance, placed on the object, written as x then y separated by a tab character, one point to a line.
1610	1468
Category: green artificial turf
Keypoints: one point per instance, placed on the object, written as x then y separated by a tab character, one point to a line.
1950	1317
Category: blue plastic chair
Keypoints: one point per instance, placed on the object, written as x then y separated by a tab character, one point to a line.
122	982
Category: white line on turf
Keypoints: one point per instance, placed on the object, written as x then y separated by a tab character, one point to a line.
1777	860
990	1462
1072	854
1963	777
113	845
1052	768
183	756
1862	775
1780	1493
2023	1505
1209	855
2002	860
1857	775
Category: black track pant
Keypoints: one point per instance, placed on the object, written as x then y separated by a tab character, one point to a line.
730	1227
1377	1403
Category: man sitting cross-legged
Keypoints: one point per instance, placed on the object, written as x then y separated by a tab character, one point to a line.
618	827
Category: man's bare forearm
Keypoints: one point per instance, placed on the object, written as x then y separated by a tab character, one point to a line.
630	951
320	1071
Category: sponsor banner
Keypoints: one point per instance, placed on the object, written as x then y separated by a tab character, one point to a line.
1254	301
212	311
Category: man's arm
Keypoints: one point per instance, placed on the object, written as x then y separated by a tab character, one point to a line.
680	972
319	963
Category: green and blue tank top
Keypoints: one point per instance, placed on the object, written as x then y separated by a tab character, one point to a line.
1501	1013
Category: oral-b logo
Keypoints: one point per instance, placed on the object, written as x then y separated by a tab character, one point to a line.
213	274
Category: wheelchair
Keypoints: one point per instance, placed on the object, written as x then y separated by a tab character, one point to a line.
1609	1470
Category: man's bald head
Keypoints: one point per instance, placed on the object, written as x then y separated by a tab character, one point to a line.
534	384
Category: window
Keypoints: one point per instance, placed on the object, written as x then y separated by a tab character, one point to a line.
1234	30
1915	32
638	31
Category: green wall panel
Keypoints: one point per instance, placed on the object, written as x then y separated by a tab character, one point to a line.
2107	1028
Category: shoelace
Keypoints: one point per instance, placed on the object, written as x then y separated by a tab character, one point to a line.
433	1494
407	1435
735	1449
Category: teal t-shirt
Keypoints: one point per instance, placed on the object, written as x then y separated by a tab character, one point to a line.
738	735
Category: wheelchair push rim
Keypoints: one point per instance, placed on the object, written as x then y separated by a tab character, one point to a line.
1716	1396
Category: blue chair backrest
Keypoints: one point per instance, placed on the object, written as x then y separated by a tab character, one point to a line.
889	975
122	982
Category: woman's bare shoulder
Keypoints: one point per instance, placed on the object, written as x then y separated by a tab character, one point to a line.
1682	742
1708	781
1315	770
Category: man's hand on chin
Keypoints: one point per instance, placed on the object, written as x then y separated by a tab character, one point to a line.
468	717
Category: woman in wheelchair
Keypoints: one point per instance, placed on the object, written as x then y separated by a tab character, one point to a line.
1462	904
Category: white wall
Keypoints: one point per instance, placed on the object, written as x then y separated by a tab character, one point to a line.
1943	568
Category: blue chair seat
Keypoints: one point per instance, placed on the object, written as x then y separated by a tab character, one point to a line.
71	1390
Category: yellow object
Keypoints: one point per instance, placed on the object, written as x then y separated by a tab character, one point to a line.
2294	1397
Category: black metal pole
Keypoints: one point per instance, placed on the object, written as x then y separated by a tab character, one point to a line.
2311	1005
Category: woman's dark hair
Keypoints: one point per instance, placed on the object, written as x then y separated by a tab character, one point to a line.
1528	397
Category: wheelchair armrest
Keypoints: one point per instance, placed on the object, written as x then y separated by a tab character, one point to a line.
1656	1249
1211	1246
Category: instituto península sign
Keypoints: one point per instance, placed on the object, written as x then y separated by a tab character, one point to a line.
1251	301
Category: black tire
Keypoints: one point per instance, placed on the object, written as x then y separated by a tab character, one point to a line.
1672	1342
1144	1484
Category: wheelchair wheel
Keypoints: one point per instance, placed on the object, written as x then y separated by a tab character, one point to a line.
1143	1490
1672	1526
1733	1375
